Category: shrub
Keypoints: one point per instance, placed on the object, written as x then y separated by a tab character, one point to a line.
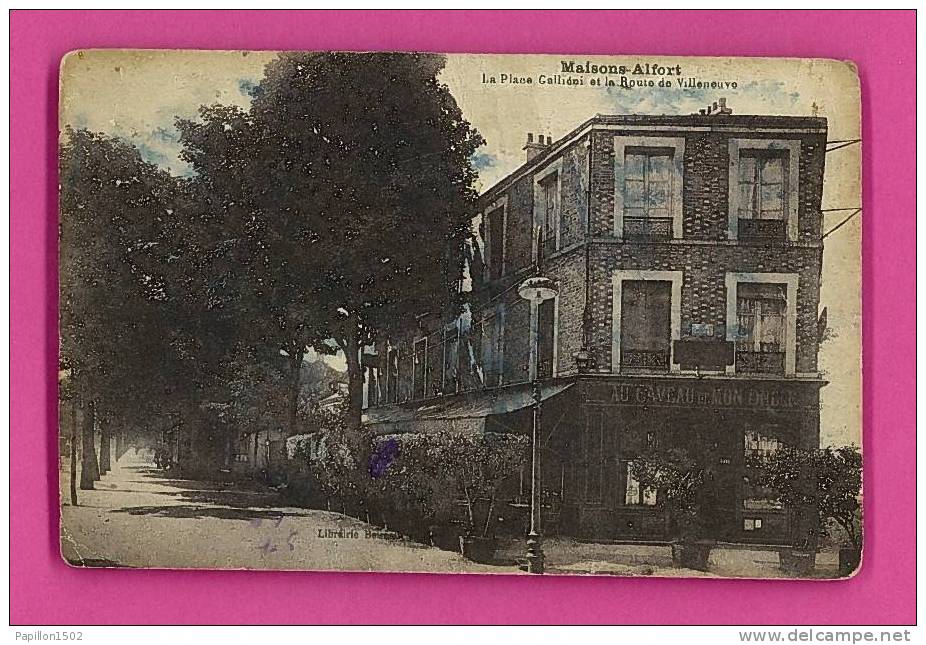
827	481
333	467
678	480
480	465
419	478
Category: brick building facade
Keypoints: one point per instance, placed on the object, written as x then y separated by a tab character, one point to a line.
687	253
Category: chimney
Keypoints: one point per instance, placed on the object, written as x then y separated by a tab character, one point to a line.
533	149
717	107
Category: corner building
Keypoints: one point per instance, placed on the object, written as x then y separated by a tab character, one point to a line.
687	251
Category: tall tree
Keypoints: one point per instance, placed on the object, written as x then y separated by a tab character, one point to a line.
349	179
114	340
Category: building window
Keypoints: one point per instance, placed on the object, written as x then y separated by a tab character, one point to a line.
760	341
549	213
752	523
648	193
374	396
546	336
243	448
434	368
645	324
420	369
763	199
472	369
547	220
763	189
634	493
648	187
451	358
496	230
493	328
759	446
392	375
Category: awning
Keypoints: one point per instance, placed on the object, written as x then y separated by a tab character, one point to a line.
465	412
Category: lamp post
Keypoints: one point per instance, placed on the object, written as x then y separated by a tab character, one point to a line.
535	290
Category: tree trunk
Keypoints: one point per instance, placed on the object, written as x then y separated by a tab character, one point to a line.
105	451
74	435
354	377
182	421
89	469
359	439
295	387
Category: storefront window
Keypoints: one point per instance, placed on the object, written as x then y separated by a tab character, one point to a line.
634	493
759	446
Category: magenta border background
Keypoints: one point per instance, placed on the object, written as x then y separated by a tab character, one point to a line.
45	591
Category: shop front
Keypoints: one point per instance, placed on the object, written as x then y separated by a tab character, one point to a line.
720	422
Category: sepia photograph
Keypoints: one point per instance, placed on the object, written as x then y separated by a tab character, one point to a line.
460	313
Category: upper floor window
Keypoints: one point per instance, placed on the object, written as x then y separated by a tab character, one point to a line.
392	375
420	369
763	182
546	333
649	177
547	209
493	345
496	242
549	199
434	374
646	338
451	366
760	341
648	193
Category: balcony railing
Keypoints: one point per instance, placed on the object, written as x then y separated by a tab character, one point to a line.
647	228
650	359
752	362
762	229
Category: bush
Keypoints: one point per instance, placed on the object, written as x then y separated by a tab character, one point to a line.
419	479
330	468
411	481
679	482
826	481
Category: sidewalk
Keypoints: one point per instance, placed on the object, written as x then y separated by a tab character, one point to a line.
566	555
139	516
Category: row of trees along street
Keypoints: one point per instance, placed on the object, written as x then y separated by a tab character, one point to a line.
320	218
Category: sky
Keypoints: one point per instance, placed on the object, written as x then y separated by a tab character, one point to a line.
139	94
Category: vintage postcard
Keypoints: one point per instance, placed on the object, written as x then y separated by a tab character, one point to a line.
522	314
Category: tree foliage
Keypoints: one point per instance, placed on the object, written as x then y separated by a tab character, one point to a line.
349	184
115	339
828	480
679	481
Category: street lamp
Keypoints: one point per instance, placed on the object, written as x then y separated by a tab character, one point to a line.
535	290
